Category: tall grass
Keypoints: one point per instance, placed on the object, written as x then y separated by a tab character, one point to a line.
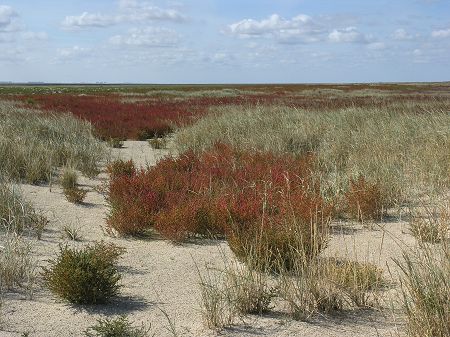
425	285
391	146
33	144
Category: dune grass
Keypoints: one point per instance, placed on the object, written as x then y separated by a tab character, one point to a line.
33	144
402	148
425	285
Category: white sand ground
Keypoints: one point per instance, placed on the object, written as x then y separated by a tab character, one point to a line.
159	276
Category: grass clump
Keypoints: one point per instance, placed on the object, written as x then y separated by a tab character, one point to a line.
17	265
426	290
324	286
364	200
70	187
16	214
433	226
33	144
85	276
117	327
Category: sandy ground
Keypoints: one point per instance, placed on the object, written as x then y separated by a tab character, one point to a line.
159	277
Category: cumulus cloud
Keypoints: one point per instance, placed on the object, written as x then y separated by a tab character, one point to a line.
130	11
8	19
443	33
301	28
147	37
347	35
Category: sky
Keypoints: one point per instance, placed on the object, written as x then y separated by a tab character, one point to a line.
224	41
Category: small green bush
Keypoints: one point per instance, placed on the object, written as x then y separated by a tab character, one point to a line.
75	195
85	276
118	327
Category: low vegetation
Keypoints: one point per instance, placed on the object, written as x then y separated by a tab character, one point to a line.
69	183
34	144
399	149
84	276
426	289
117	327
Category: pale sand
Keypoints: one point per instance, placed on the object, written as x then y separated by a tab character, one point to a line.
159	276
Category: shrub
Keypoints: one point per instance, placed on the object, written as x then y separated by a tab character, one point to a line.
85	276
217	192
364	200
116	327
75	195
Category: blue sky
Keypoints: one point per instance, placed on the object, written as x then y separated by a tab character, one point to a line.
218	41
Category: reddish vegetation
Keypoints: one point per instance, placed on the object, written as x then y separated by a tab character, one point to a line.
219	192
114	118
141	116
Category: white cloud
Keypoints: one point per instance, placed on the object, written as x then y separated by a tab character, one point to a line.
8	19
34	36
129	11
72	53
401	35
88	20
301	28
148	37
376	46
347	35
443	33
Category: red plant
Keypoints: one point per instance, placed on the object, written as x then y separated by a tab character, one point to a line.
222	191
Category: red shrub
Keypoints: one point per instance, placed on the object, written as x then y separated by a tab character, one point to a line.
224	192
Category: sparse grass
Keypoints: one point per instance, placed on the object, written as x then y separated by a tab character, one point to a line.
17	265
158	143
117	327
16	214
433	226
327	285
34	144
72	232
85	276
426	289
